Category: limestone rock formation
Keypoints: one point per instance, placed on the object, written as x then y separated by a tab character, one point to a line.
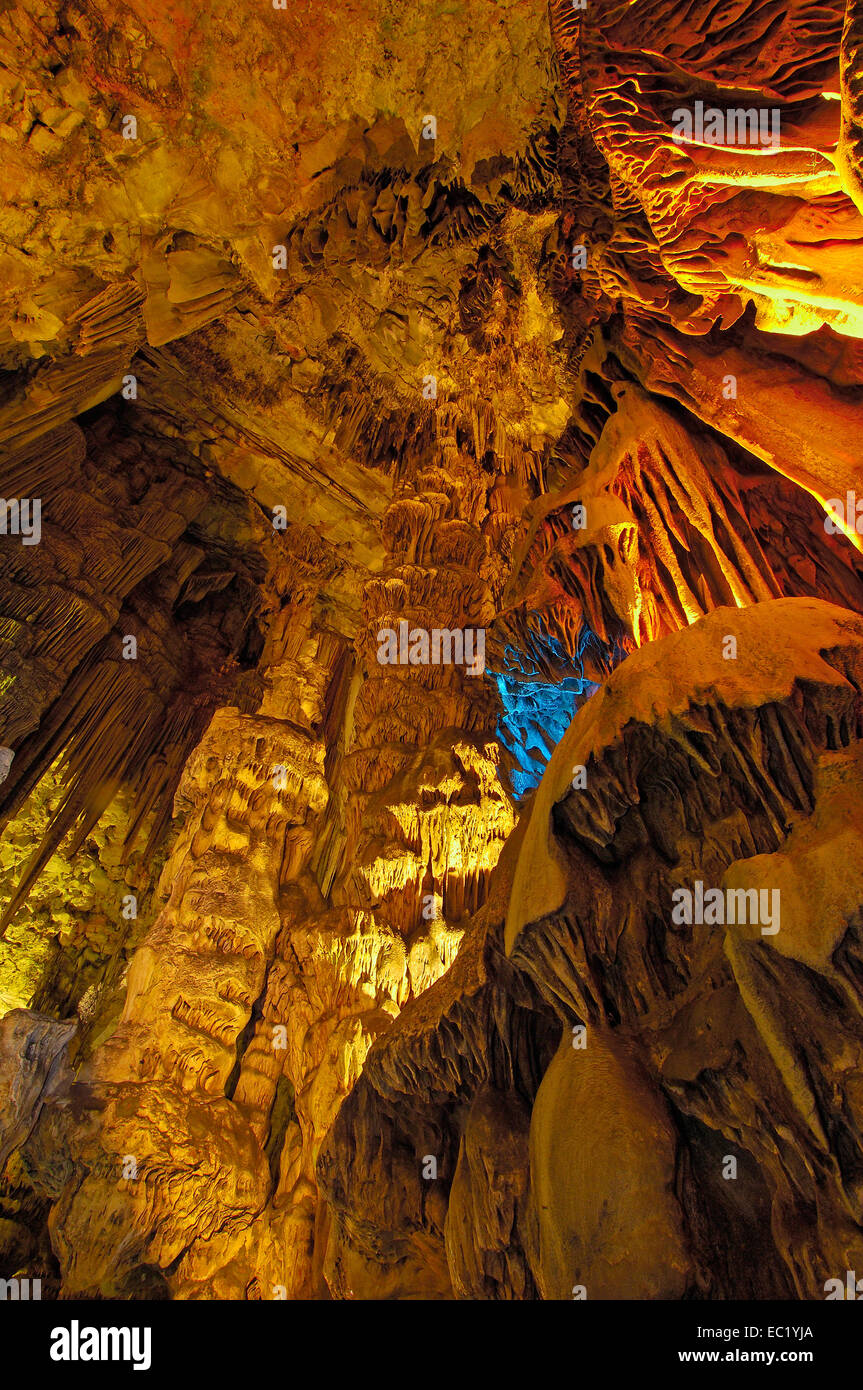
431	649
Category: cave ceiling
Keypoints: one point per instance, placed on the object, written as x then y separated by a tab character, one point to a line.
431	648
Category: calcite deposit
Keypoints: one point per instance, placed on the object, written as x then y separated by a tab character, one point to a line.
431	649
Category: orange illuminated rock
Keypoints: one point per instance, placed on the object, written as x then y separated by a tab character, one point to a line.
399	387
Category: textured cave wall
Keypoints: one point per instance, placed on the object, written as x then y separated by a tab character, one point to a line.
338	821
305	993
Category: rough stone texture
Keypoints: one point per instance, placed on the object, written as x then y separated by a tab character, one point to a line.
31	1054
702	1041
357	1001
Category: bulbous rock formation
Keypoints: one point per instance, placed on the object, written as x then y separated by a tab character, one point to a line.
431	641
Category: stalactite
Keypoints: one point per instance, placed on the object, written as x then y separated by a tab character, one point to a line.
441	427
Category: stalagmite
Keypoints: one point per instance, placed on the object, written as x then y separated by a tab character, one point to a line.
431	650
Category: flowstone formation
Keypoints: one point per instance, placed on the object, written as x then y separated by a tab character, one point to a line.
431	640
